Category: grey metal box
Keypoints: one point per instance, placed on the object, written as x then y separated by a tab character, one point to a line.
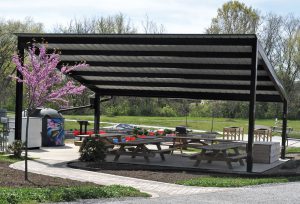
266	152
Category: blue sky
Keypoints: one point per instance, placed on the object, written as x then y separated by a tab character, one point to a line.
177	16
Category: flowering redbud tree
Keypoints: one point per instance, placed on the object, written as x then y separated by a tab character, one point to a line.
44	82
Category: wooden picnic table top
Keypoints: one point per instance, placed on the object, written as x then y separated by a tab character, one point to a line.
194	136
204	134
102	135
82	136
141	142
112	134
222	146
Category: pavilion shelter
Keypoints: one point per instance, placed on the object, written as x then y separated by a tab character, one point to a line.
195	66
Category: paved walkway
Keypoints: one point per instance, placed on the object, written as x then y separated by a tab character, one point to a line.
52	162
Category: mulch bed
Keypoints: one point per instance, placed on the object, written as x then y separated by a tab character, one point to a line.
162	176
172	176
137	171
15	178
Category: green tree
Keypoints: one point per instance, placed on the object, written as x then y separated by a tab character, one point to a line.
270	34
8	45
234	17
167	111
280	37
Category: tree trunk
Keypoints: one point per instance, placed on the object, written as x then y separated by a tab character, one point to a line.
26	145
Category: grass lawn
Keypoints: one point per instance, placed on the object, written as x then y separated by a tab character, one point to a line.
61	194
200	123
234	181
40	188
293	150
8	158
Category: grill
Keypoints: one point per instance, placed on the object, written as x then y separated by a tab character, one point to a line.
181	130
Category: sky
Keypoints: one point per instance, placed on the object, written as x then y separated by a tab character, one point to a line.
177	16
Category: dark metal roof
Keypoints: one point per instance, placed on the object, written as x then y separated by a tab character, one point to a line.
214	67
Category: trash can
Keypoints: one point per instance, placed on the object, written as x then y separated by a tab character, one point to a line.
3	113
46	128
53	133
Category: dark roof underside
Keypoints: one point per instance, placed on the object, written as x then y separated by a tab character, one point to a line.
213	67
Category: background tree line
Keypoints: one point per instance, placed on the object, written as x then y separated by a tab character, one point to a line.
280	38
279	35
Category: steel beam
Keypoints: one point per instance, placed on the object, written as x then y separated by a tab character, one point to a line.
161	39
174	84
284	128
167	75
191	95
19	96
163	65
200	54
252	107
96	113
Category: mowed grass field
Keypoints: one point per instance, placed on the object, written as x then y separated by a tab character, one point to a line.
199	123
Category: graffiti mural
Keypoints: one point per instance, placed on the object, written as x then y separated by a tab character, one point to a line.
55	131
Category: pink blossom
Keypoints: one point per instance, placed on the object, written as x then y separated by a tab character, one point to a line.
44	83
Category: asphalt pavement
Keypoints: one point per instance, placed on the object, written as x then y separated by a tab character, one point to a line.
288	193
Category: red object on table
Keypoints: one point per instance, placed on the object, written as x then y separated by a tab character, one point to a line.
160	131
151	133
76	132
90	132
141	136
129	138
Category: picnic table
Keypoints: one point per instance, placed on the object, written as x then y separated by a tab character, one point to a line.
220	152
107	136
139	148
190	140
112	135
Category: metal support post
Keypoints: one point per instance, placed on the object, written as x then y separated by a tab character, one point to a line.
252	107
19	97
96	113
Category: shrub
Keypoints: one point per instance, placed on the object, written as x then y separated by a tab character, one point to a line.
136	130
92	149
111	111
16	148
200	110
167	131
140	131
167	111
60	194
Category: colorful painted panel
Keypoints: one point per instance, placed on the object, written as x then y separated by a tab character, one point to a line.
55	132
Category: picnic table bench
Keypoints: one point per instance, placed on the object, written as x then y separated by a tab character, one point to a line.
219	152
138	148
